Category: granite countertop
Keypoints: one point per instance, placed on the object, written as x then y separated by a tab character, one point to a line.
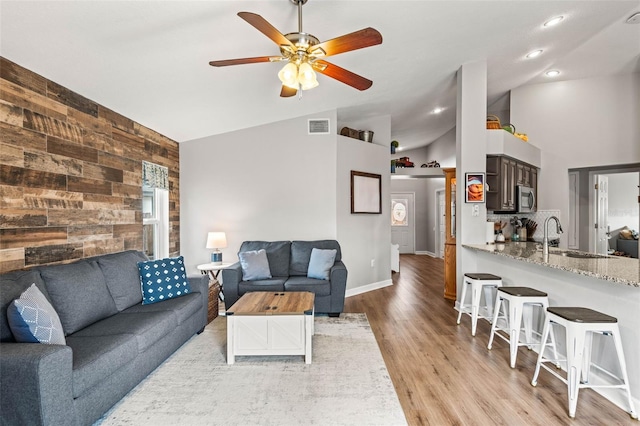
621	270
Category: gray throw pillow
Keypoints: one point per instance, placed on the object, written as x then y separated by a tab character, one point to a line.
255	265
320	263
32	319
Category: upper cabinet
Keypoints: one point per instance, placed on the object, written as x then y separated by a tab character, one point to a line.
504	175
511	162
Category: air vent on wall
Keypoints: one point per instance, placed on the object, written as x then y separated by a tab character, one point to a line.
319	126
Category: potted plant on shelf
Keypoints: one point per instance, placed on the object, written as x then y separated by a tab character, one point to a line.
393	166
394	145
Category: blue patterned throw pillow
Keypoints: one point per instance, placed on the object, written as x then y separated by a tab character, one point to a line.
32	319
163	279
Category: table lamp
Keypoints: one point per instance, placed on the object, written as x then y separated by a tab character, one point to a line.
216	240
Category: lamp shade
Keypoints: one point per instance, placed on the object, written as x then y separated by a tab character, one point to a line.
307	77
216	240
288	75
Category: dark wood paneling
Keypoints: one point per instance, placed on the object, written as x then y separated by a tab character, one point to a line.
14	73
89	186
52	163
18	176
62	147
52	254
32	237
71	173
17	136
22	218
119	121
94	171
11	114
71	99
27	99
83	233
51	126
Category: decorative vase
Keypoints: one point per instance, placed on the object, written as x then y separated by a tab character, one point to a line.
393	149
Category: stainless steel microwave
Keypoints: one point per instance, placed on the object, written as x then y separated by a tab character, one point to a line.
526	201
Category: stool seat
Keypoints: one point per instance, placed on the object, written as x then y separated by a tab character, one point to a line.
522	291
580	325
583	315
480	283
482	276
520	302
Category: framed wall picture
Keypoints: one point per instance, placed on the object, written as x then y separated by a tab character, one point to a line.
474	187
366	193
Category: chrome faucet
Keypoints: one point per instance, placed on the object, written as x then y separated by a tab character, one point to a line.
545	240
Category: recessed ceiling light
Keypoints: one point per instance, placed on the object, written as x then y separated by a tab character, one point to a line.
552	73
634	19
553	21
534	54
438	110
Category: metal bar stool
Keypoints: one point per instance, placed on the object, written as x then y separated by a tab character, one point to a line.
479	282
521	301
580	324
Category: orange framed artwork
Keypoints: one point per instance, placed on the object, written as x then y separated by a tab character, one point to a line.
474	187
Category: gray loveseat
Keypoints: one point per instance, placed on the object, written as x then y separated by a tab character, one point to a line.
289	262
112	340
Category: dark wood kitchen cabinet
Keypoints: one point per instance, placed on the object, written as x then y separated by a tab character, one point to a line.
501	179
504	174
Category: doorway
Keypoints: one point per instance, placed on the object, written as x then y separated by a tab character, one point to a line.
403	226
615	207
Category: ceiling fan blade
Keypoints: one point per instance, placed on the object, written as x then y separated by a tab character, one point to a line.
348	42
287	92
241	61
343	75
265	28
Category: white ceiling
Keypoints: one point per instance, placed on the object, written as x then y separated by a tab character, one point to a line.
148	60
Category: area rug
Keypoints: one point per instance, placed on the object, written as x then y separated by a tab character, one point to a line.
347	383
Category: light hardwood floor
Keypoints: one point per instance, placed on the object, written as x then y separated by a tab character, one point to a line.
444	376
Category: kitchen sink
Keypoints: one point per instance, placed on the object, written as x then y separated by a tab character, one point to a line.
579	254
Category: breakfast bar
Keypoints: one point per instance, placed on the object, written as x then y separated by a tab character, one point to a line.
607	284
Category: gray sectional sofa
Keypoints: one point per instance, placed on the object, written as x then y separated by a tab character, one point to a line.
289	262
112	340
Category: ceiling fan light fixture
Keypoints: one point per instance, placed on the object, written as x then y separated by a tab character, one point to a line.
307	77
288	75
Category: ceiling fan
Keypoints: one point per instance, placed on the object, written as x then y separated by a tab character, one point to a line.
304	54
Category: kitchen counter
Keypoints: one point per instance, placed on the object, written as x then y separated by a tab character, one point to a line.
606	284
615	269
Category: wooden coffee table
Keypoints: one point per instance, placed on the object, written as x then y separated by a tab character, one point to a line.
270	323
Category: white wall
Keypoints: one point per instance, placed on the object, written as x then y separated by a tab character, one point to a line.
623	200
364	237
276	182
578	123
272	182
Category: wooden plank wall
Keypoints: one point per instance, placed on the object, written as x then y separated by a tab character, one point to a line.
71	174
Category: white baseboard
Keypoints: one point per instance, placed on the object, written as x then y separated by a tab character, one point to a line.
426	253
367	288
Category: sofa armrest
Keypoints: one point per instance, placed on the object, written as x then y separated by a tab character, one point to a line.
338	279
36	384
231	278
200	284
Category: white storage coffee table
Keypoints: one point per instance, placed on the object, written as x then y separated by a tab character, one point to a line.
270	323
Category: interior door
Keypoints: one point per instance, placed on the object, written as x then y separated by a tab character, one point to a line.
403	221
602	214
